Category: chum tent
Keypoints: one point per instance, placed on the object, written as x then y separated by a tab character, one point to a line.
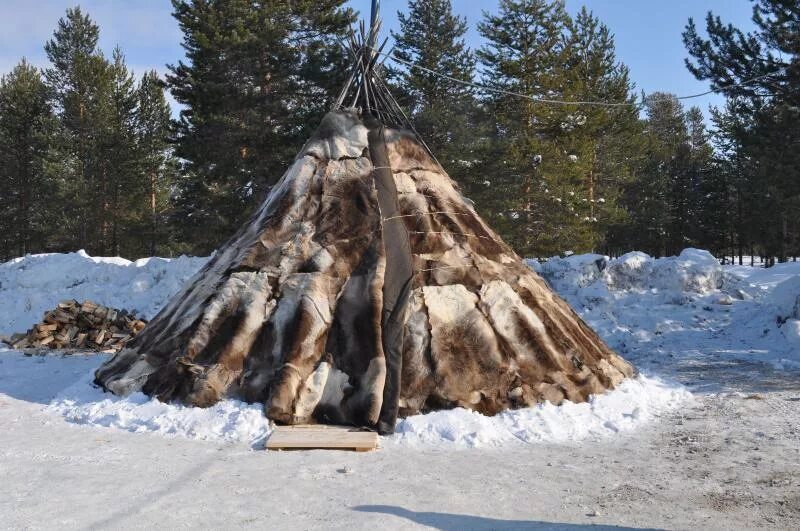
366	287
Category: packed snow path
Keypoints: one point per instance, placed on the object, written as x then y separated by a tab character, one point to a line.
726	457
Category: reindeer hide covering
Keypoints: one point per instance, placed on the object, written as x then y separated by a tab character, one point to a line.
363	287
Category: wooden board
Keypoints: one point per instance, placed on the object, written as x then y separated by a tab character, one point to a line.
322	437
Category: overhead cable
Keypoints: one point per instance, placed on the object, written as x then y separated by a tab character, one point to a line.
537	99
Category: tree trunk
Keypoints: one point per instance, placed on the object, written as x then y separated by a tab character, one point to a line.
739	214
115	207
24	194
783	239
104	210
85	184
590	186
153	213
528	191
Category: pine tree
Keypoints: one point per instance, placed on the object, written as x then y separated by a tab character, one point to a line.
85	154
775	137
79	81
736	174
119	172
674	197
760	71
653	198
432	37
716	194
71	49
601	143
27	125
558	169
525	53
258	77
157	165
750	65
700	213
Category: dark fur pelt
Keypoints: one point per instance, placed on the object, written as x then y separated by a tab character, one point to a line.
288	312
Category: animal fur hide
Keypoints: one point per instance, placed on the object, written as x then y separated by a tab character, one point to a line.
291	311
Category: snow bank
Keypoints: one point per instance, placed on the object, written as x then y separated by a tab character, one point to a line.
661	313
228	420
693	270
763	279
573	272
785	302
785	299
634	402
33	284
772	297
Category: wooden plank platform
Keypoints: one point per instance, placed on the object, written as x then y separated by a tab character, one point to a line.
322	437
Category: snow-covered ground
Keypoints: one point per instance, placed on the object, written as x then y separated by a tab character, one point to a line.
718	349
683	321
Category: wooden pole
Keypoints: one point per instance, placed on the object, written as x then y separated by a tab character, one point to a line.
373	34
376	6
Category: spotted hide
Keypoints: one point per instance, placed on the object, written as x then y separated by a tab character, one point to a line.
290	312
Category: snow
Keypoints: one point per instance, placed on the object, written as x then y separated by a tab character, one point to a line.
634	402
791	331
34	284
785	298
681	320
64	384
692	271
228	421
668	314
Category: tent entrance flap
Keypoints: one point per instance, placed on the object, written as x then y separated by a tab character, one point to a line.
397	277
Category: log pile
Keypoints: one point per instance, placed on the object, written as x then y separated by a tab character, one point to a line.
85	326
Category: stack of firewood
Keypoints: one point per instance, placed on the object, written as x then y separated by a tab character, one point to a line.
87	326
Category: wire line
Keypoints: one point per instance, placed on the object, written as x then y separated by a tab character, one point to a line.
563	102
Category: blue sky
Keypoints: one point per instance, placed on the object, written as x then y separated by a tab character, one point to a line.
647	32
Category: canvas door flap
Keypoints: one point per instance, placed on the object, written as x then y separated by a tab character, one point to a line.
398	274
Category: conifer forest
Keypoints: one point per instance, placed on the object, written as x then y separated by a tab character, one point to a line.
92	156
